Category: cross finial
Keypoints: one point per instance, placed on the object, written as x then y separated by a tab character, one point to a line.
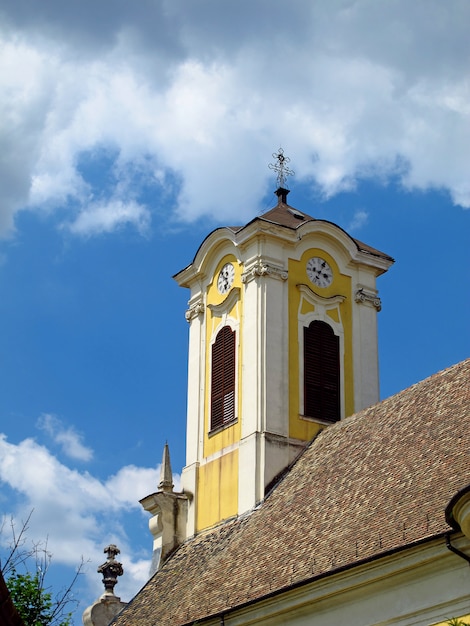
281	167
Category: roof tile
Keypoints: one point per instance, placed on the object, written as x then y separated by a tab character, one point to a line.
374	482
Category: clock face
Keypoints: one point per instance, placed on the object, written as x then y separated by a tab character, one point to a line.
319	272
225	279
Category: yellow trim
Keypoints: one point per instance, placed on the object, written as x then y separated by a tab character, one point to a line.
307	307
231	434
217	482
299	427
465	619
334	315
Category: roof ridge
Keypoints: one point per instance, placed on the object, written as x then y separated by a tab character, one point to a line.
407	390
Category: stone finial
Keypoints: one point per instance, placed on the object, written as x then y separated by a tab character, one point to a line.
169	515
111	569
101	612
166	475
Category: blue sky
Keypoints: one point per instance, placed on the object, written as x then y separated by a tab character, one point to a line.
128	134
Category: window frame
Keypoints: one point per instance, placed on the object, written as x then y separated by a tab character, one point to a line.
312	306
321	354
224	388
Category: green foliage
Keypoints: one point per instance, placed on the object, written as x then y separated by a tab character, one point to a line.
33	602
457	622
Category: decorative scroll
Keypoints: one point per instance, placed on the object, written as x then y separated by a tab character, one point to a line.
197	308
261	268
366	297
319	301
224	307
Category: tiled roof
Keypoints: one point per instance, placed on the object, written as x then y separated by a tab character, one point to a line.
289	217
372	483
285	215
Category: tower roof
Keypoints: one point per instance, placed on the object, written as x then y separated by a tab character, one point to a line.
366	487
286	216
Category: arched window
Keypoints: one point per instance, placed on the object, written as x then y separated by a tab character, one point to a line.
223	378
321	373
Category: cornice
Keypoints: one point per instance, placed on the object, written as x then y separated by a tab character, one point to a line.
356	580
268	229
363	257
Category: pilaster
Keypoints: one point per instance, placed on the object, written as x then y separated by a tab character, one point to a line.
196	317
365	346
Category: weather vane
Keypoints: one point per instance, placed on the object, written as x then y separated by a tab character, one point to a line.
281	167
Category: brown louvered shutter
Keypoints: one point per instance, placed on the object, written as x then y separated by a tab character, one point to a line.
223	378
321	372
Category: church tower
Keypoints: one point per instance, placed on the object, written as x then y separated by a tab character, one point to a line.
282	343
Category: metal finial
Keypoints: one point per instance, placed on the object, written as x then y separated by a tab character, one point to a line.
111	569
281	167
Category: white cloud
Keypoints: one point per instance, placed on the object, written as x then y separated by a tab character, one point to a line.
67	438
76	511
132	483
99	218
348	89
359	219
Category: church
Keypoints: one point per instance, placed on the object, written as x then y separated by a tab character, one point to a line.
304	499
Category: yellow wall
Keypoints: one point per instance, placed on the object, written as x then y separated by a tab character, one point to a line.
217	490
465	619
298	427
217	482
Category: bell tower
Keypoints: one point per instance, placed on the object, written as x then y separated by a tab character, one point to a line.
282	343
